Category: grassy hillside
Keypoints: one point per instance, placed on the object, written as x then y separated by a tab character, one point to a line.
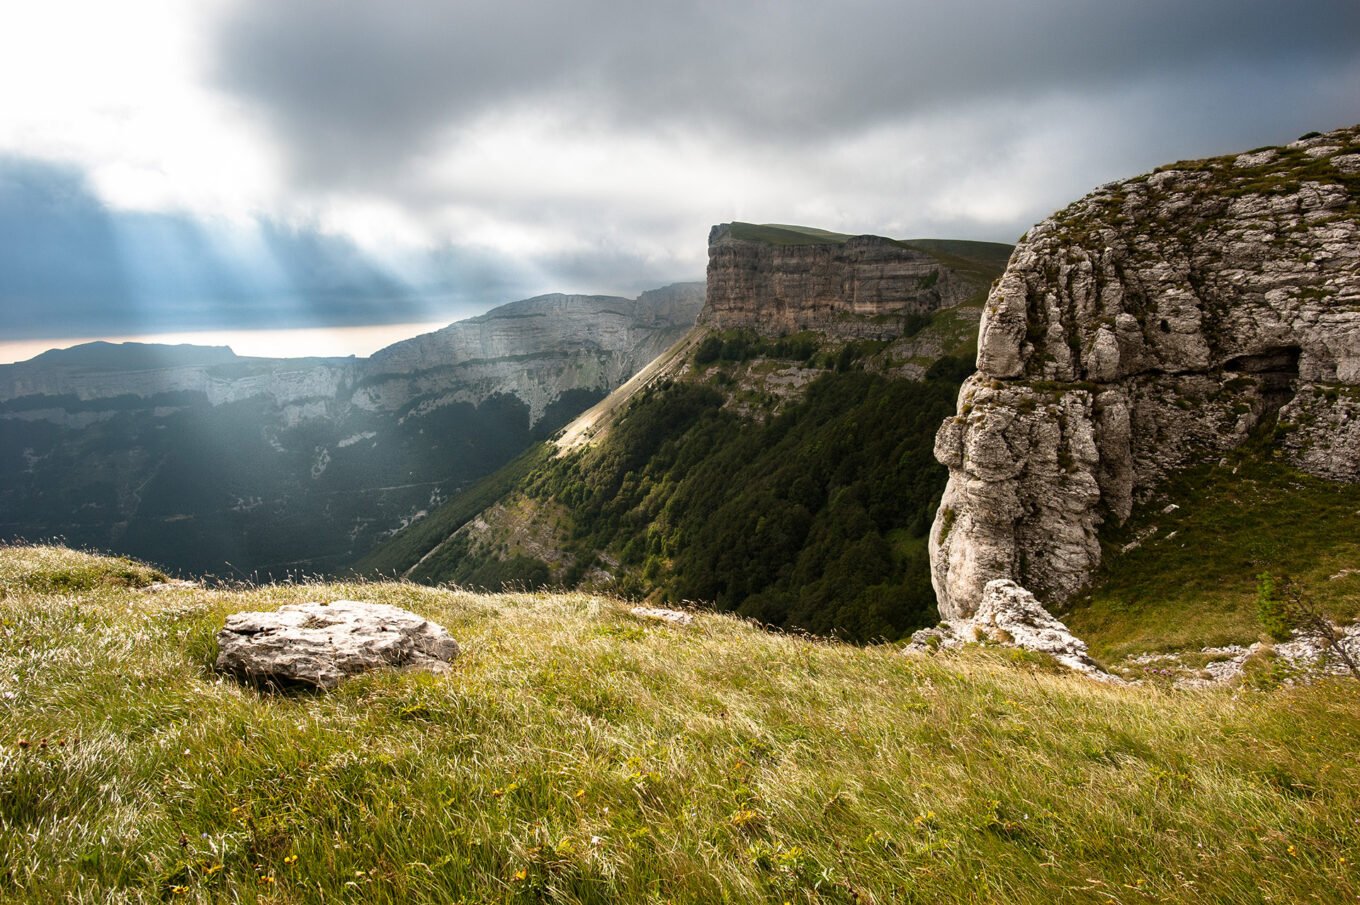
1192	579
576	754
404	551
813	519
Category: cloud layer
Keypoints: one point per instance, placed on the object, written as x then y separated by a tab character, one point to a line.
361	161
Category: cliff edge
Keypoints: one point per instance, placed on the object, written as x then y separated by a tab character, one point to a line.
1153	324
778	280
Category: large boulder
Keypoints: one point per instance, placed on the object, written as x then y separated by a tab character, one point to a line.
319	644
1009	614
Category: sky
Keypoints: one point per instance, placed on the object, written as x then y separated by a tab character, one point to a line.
314	167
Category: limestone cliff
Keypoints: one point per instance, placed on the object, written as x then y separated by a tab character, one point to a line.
779	280
535	349
1154	323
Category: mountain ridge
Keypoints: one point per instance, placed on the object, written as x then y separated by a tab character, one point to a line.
204	460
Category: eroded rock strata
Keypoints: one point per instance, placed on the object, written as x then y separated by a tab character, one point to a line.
861	286
1154	323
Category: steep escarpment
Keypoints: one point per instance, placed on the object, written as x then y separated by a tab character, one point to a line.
778	280
1155	323
535	350
207	461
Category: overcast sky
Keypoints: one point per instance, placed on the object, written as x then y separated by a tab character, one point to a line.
269	163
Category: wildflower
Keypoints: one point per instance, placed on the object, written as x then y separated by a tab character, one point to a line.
1292	850
266	879
744	817
521	875
291	859
179	890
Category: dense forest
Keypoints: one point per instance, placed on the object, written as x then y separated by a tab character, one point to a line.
814	519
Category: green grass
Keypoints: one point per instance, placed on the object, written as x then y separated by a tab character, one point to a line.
574	754
782	234
1198	587
56	570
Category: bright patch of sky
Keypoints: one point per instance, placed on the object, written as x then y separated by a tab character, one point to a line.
297	342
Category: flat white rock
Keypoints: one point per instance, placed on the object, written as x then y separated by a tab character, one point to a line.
319	644
662	614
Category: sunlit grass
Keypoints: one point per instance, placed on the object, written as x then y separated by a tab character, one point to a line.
576	754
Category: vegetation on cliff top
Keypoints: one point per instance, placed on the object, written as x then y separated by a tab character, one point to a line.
988	258
575	754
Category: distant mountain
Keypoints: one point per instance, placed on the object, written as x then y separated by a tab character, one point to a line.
205	461
776	461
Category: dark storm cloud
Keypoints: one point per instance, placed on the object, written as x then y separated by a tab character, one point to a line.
356	88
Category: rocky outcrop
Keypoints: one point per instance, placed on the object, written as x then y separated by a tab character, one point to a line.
1154	323
1304	656
775	281
1008	614
320	644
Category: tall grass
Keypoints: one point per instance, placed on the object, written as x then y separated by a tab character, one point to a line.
576	754
1192	582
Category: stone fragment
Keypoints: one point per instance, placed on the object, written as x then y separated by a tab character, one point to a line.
675	617
319	644
1009	614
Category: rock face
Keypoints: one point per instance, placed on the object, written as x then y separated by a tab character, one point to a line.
535	350
319	644
861	286
1152	324
1009	614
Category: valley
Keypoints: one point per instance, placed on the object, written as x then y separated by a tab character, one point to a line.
204	461
775	463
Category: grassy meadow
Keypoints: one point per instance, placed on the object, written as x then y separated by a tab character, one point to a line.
578	754
1192	580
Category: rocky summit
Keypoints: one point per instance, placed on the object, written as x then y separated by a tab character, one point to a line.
1156	323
